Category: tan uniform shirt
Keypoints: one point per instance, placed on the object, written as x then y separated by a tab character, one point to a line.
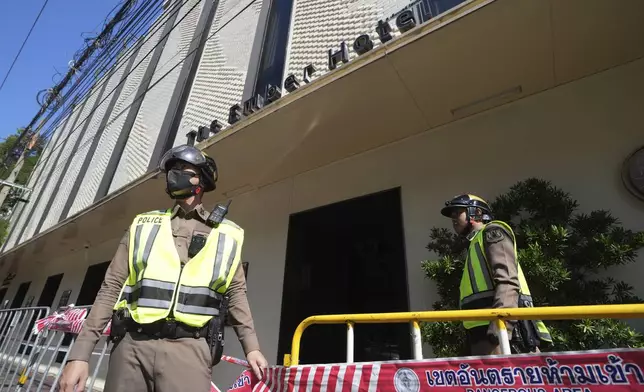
183	226
499	249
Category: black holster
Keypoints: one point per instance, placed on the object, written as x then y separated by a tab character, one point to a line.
118	328
216	330
525	336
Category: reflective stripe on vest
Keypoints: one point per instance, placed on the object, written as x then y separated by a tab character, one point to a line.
158	285
477	287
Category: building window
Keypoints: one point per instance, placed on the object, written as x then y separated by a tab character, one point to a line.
424	10
273	57
440	6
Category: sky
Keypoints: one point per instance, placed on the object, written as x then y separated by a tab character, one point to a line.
55	39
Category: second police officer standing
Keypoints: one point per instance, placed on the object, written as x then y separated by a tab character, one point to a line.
166	291
492	277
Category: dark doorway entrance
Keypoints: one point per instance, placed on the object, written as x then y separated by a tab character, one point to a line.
18	299
87	294
46	299
92	283
346	257
20	295
49	291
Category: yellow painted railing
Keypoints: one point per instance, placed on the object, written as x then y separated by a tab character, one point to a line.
542	313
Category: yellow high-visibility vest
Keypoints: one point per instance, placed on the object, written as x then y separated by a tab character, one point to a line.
477	286
158	285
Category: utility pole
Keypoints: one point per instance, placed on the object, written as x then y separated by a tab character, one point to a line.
9	182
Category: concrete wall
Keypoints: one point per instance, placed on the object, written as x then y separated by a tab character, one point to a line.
219	81
576	135
149	120
320	26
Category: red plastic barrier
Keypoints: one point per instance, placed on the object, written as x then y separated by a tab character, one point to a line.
245	382
590	371
70	320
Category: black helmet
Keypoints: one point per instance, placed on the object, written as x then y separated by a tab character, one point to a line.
470	203
193	156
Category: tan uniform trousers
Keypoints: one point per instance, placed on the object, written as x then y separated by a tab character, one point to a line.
480	344
141	364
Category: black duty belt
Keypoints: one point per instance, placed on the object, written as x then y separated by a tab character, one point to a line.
167	329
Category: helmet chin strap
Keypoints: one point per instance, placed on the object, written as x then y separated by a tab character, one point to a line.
469	228
185	193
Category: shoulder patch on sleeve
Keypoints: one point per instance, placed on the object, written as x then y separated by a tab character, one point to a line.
494	234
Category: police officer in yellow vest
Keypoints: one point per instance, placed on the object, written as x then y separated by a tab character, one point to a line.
174	276
492	277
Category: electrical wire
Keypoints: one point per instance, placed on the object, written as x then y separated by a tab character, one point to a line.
23	44
124	78
119	57
144	92
19	141
150	36
90	82
121	45
130	36
93	70
86	55
105	23
50	96
98	105
120	62
122	59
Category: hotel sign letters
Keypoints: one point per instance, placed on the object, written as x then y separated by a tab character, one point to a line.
406	19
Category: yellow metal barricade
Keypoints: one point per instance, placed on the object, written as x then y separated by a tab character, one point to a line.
495	315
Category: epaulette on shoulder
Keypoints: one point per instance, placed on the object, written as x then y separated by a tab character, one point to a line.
498	226
231	223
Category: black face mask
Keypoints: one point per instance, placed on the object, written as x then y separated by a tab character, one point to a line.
179	185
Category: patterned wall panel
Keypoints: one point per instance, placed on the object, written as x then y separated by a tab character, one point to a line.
60	149
145	132
320	25
35	180
219	82
86	128
105	148
82	200
51	215
13	226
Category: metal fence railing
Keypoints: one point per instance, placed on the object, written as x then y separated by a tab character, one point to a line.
35	345
17	345
495	315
